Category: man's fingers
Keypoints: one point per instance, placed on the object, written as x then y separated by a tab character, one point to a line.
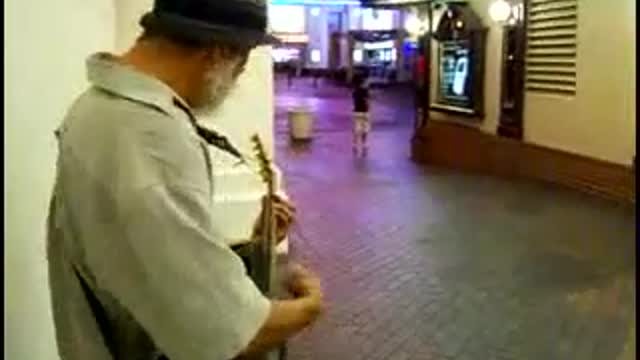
283	213
279	200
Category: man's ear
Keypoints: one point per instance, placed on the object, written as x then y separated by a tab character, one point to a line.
204	59
215	56
207	55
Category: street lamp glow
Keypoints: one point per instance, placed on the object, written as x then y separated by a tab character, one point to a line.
500	11
412	25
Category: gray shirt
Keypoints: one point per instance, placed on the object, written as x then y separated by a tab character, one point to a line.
130	217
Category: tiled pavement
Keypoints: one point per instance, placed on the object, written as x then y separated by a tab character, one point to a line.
425	263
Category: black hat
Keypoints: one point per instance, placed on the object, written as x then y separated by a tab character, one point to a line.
241	22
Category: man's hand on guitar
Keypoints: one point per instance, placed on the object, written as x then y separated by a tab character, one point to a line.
304	284
284	214
288	317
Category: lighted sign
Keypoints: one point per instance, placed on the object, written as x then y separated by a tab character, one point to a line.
378	45
315	2
373	19
455	78
412	24
287	18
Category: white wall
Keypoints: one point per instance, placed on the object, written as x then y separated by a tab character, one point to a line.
599	121
128	13
46	43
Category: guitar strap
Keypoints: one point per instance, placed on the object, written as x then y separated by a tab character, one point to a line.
211	137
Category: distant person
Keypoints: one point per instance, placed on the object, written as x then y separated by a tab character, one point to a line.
291	71
421	69
361	124
316	75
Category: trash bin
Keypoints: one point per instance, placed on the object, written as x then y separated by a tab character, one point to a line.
300	123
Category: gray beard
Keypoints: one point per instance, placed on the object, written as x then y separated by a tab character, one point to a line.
219	88
214	103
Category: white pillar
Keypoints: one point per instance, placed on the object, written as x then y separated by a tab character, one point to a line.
46	44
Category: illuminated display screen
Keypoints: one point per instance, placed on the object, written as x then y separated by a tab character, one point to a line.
287	18
455	80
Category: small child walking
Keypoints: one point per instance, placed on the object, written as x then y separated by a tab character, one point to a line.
361	124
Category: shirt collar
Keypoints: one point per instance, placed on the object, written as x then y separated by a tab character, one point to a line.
105	72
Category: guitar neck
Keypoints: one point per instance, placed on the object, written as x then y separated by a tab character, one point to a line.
263	255
264	262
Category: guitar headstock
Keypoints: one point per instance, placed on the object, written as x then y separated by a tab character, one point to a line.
264	162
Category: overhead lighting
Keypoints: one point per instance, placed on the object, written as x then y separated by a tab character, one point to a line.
412	24
500	11
315	2
315	56
315	11
357	56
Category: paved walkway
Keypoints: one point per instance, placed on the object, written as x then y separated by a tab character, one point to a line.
425	263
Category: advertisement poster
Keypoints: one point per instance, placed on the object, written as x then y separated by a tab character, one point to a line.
455	78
